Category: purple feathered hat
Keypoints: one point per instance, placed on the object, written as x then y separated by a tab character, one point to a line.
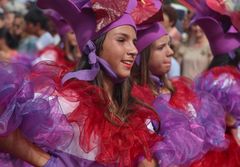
216	27
89	19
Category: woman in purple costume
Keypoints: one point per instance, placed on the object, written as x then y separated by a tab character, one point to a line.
91	117
192	122
222	79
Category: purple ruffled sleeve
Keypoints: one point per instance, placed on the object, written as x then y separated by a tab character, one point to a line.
27	103
212	116
224	84
183	138
187	136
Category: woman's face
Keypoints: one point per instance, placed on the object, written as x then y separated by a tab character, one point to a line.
72	38
166	21
18	26
160	56
197	31
119	50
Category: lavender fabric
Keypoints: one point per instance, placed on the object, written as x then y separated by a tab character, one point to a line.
183	139
212	116
27	103
188	136
225	87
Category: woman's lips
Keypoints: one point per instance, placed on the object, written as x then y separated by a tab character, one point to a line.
127	63
167	63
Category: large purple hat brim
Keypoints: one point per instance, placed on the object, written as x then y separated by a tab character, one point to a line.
148	34
79	16
82	19
220	42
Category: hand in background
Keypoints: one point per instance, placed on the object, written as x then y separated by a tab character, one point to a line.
146	163
16	144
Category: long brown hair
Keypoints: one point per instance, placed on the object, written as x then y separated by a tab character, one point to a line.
121	96
141	73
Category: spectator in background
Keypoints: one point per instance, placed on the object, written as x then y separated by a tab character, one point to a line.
27	41
15	6
8	45
169	22
53	31
195	55
36	24
9	17
17	28
3	3
71	48
66	49
186	21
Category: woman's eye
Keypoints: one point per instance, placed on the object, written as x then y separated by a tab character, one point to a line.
120	39
160	47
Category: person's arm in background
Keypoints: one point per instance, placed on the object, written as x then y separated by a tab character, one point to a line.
17	145
146	163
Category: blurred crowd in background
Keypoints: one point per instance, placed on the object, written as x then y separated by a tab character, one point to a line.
26	30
